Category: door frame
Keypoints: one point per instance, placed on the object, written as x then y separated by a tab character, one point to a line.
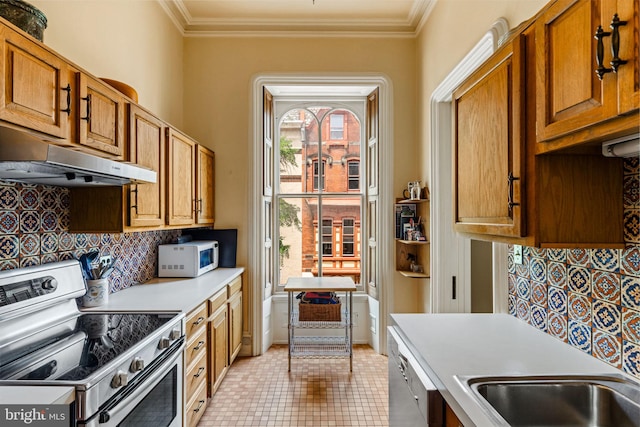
451	252
260	304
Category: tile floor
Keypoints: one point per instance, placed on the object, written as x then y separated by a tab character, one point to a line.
258	391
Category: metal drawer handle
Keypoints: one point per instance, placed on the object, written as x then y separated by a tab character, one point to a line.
200	371
616	62
199	406
512	178
601	70
88	117
199	346
197	322
68	90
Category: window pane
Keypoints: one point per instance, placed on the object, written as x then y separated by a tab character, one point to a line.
337	126
354	175
297	245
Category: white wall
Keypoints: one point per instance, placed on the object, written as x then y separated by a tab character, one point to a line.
131	41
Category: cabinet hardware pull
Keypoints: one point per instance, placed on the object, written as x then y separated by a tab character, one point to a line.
88	117
197	375
198	321
201	402
135	206
199	346
68	90
600	34
512	178
200	204
616	62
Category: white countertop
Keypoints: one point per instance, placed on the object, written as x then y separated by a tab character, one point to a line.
169	294
40	395
321	284
450	345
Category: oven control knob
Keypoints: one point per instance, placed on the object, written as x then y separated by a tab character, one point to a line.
120	379
49	284
175	334
137	364
164	343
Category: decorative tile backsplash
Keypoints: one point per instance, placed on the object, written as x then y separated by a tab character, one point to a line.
588	298
34	220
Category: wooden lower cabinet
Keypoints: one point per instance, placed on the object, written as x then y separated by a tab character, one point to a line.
450	418
214	339
218	347
195	362
195	407
235	319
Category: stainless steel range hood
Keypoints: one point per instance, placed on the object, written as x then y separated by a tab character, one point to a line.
26	158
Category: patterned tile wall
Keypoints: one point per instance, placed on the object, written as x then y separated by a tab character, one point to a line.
34	220
588	298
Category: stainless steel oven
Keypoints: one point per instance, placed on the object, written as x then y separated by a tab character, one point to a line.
126	368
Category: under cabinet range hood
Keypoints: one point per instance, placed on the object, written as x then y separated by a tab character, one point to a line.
628	146
25	158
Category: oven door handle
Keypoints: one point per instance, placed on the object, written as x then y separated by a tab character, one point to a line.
146	383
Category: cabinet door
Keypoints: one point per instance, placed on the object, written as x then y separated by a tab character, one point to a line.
147	148
181	183
489	146
570	96
218	327
235	326
629	73
101	117
35	86
205	186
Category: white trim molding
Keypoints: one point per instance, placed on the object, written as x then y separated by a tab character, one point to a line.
451	253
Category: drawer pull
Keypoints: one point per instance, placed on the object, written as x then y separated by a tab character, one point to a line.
512	178
68	90
616	62
599	35
198	321
199	346
200	371
199	406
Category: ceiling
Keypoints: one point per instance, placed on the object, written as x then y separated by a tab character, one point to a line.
300	17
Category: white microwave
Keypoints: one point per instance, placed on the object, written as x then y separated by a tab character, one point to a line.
189	259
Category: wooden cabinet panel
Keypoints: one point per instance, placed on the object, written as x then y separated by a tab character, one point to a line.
196	376
570	95
147	148
218	348
235	326
196	346
196	407
35	84
195	320
629	73
101	117
181	184
489	145
205	186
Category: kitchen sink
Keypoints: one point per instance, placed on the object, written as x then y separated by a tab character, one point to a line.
609	400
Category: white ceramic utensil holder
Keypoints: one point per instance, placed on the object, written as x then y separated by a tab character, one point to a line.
97	293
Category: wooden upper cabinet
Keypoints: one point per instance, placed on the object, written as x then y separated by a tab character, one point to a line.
181	178
205	213
489	146
101	117
147	149
35	84
571	94
629	73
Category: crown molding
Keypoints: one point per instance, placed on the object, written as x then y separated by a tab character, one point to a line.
191	26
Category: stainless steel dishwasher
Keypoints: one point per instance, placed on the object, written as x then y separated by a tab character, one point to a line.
413	399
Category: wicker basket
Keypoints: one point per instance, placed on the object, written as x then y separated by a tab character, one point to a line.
320	312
